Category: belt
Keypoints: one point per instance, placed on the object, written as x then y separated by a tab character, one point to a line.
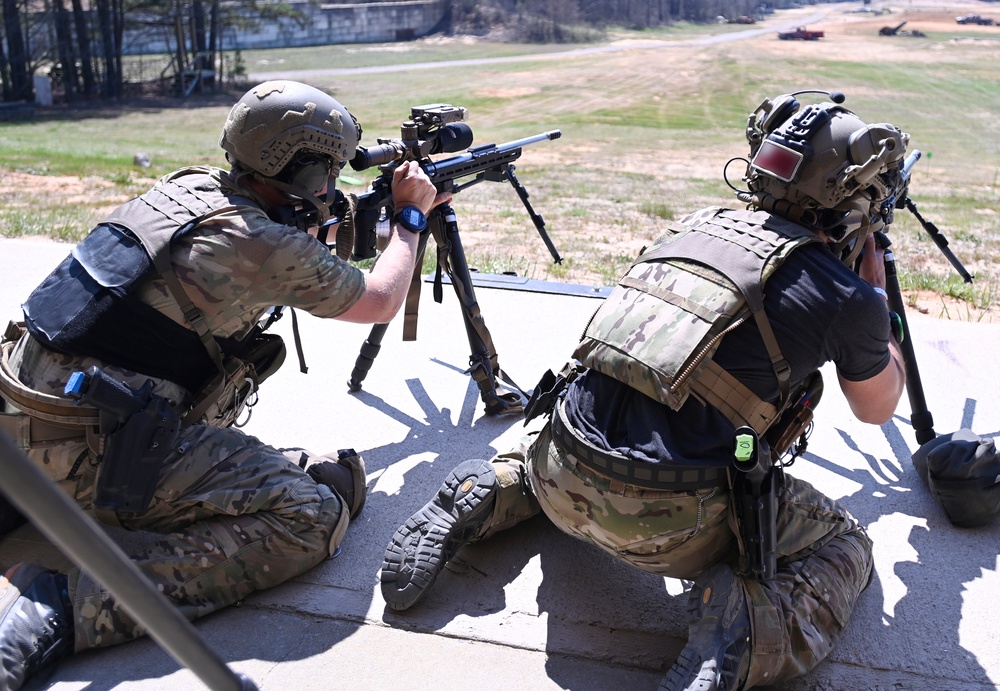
657	476
26	431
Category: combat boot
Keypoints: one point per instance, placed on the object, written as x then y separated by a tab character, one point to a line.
430	538
717	654
36	622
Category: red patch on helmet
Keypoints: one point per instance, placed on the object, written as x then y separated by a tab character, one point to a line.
777	160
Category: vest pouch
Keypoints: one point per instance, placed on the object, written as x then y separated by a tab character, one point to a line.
662	319
86	307
266	352
962	471
84	288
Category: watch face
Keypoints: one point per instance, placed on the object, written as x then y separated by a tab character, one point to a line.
413	218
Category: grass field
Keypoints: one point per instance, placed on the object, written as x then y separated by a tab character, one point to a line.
647	132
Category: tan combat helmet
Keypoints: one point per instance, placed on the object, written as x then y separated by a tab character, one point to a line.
822	166
292	136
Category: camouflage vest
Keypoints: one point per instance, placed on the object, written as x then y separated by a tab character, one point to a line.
659	329
87	305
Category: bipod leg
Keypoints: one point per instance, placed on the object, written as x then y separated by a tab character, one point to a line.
373	344
366	358
78	537
483	361
920	417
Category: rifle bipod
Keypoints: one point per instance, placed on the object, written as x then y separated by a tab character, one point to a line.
483	362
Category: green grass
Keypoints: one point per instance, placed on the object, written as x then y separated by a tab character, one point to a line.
646	135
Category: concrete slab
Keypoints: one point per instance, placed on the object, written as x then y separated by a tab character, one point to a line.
532	608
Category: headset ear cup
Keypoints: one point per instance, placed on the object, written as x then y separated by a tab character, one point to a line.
783	108
309	176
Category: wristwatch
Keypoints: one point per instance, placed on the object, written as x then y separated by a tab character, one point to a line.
411	218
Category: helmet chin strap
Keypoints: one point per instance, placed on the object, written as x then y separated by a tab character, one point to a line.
302	220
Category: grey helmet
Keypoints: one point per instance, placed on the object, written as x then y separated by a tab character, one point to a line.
822	166
292	136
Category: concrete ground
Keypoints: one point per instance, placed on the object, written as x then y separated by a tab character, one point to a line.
532	608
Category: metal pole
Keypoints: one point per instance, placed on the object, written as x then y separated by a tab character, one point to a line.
72	531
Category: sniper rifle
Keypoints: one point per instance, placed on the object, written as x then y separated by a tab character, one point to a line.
433	129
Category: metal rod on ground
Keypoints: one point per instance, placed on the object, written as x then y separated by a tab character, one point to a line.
78	537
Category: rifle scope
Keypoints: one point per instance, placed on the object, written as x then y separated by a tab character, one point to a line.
449	138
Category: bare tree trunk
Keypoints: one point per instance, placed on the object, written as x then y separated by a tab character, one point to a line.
118	23
67	56
112	77
213	43
83	43
5	73
180	57
198	43
17	54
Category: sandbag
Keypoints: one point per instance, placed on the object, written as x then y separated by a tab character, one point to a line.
962	471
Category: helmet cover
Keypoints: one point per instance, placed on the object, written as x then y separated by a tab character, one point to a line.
276	120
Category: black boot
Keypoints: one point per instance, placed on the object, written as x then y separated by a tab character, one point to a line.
36	622
717	655
430	537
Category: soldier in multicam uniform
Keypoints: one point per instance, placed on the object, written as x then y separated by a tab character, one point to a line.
170	289
639	463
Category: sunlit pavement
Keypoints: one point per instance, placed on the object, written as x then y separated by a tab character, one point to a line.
532	608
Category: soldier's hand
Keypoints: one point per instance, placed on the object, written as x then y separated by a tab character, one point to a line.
412	187
872	267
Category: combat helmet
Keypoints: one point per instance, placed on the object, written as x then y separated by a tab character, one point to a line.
823	167
291	136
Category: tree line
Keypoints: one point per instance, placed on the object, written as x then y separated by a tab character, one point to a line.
79	43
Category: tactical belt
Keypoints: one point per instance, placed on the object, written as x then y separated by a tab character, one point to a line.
656	476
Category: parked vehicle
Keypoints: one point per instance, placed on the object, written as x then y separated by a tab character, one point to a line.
975	19
800	34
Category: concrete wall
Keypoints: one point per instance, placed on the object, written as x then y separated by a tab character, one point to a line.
375	22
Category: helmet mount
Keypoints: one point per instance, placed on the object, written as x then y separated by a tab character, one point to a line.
821	165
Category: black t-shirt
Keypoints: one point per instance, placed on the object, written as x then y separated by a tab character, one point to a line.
820	311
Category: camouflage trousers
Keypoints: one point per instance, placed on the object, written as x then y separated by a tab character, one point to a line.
824	555
235	516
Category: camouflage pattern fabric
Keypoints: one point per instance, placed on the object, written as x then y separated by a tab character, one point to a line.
824	555
236	515
667	315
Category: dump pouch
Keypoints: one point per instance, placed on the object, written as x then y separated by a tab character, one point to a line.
962	471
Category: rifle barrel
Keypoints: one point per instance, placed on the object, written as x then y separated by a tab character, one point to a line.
481	158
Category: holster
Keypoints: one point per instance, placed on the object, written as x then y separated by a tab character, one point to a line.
141	429
133	456
756	484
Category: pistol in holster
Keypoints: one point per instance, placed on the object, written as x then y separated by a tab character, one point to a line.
142	428
756	484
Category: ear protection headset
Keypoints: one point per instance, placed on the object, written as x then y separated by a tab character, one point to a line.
309	171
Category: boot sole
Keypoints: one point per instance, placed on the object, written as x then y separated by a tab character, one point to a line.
691	672
13	582
423	545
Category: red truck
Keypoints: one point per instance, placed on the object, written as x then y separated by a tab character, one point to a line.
800	34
